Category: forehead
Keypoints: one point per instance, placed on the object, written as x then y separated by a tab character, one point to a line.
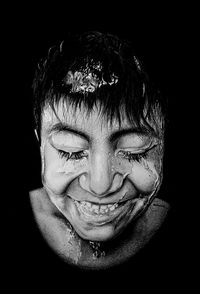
81	118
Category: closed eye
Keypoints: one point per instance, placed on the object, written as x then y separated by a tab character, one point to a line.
131	156
72	155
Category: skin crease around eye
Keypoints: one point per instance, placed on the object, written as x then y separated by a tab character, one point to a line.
71	166
145	175
134	142
68	143
70	140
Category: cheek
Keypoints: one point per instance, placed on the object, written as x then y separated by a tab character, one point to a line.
144	176
147	174
57	172
121	166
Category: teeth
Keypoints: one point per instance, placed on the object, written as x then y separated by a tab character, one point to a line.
95	207
103	207
98	209
88	204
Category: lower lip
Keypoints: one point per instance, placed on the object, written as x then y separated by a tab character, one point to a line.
102	219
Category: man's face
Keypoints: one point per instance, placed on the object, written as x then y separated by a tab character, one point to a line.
99	175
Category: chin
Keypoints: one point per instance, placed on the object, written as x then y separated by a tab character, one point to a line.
100	234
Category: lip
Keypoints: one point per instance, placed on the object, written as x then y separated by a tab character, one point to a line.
109	199
103	219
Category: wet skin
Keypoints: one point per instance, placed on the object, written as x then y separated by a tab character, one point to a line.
99	175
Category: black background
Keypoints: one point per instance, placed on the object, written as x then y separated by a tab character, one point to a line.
163	37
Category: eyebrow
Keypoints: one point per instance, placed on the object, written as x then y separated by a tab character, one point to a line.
60	127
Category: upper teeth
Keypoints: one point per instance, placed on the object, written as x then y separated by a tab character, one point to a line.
99	209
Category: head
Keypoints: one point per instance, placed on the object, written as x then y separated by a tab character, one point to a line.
100	123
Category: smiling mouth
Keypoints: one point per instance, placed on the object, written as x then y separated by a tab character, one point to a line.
100	214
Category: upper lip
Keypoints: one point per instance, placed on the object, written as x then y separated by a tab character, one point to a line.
106	199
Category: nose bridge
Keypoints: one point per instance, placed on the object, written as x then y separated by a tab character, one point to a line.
100	174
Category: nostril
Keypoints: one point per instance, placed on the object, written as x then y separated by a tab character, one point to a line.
101	187
117	182
95	184
83	182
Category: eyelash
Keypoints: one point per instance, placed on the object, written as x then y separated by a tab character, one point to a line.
72	156
125	154
133	156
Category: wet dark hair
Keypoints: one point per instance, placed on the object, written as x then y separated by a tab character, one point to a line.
133	93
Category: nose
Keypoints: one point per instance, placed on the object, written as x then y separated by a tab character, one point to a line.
101	178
